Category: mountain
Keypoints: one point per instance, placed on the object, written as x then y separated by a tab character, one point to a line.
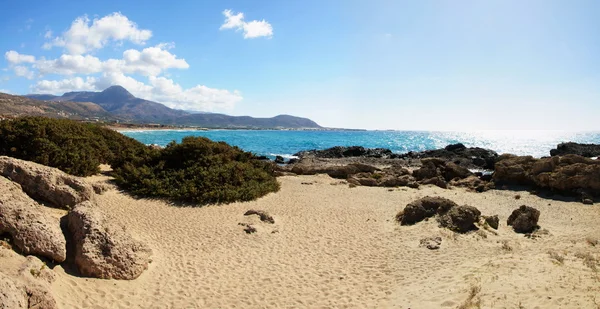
118	103
15	105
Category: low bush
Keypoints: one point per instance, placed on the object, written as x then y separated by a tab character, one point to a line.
200	171
73	147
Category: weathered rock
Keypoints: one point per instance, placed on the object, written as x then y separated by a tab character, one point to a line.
584	150
451	171
264	217
345	152
460	218
279	160
101	187
366	181
37	279
425	207
104	249
48	184
427	171
431	243
568	174
341	172
33	229
438	181
467	157
524	219
12	296
493	221
473	183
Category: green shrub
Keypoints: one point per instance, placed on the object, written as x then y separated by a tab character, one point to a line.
199	171
74	147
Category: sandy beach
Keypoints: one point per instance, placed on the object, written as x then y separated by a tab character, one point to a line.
338	247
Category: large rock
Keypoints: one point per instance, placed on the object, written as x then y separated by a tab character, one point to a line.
104	249
33	229
45	183
569	174
460	218
335	171
345	152
467	157
524	219
584	150
37	278
12	296
425	207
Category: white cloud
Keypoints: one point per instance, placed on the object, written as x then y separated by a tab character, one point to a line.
159	89
69	65
252	29
23	71
48	34
150	61
65	85
83	37
14	57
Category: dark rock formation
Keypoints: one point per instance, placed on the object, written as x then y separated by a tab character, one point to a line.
264	217
420	209
460	219
279	160
345	152
493	221
584	150
458	153
569	174
524	219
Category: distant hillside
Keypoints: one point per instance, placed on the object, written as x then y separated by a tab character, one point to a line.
20	106
120	104
226	121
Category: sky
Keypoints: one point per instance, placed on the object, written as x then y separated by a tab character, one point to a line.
377	64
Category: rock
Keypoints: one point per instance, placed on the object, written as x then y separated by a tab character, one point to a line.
431	243
345	152
438	181
264	217
460	218
584	150
32	228
335	171
263	158
568	174
451	171
425	207
34	269
524	219
292	161
12	296
366	181
587	201
101	187
427	171
104	249
493	221
37	278
468	157
46	183
279	160
473	183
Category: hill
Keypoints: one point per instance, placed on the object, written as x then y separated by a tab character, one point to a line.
14	105
121	104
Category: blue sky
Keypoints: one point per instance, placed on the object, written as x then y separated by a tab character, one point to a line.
381	64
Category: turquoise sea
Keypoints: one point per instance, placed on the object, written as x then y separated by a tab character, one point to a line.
286	143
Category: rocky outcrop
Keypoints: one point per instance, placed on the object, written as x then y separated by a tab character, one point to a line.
568	174
439	172
104	249
460	219
346	152
584	150
47	184
335	171
425	207
279	160
12	296
459	154
473	183
524	219
32	228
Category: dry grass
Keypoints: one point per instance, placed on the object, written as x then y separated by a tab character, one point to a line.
473	300
556	257
588	259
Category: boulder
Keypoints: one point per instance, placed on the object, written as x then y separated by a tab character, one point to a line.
473	183
493	221
31	226
425	207
514	170
452	170
104	249
279	160
45	183
584	150
460	218
335	171
438	181
37	278
469	157
101	187
524	219
12	296
345	152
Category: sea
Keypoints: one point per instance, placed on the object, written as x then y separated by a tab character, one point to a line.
284	143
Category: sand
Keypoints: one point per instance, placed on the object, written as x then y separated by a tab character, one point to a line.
338	247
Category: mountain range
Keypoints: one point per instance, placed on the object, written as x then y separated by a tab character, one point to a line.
117	104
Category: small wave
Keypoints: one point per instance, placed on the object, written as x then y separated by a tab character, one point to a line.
285	156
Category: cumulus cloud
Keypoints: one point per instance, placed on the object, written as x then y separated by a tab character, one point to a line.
83	37
69	65
252	29
160	89
14	57
23	71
